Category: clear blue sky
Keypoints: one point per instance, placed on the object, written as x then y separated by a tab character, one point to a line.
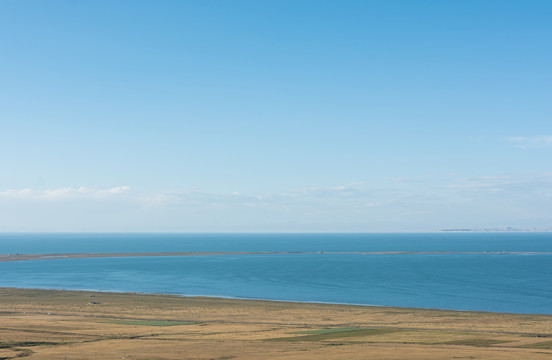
275	115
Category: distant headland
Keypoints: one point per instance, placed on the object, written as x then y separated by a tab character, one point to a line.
500	229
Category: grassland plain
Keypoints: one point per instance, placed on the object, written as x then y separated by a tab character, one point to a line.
50	324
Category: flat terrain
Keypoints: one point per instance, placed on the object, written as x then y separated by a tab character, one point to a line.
45	324
26	257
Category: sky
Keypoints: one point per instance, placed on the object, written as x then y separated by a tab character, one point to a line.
274	116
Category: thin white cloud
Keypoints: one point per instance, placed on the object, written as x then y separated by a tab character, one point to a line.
319	197
412	179
63	193
440	199
404	193
118	189
17	193
351	190
531	141
480	182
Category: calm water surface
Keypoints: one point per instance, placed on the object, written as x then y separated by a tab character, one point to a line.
489	282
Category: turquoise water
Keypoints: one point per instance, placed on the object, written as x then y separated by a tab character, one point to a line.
488	282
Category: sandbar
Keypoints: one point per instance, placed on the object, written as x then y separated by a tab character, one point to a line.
58	256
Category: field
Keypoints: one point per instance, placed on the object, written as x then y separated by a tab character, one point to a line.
49	324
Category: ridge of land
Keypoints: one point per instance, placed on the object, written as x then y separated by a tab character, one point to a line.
57	256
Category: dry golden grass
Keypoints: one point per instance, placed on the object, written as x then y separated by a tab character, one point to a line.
44	324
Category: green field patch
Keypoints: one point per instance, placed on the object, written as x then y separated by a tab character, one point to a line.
474	342
329	335
150	322
539	345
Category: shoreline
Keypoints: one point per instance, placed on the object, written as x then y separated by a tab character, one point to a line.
222	298
234	298
61	256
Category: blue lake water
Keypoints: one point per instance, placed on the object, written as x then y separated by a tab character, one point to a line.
488	282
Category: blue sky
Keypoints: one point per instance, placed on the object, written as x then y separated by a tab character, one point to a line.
275	115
